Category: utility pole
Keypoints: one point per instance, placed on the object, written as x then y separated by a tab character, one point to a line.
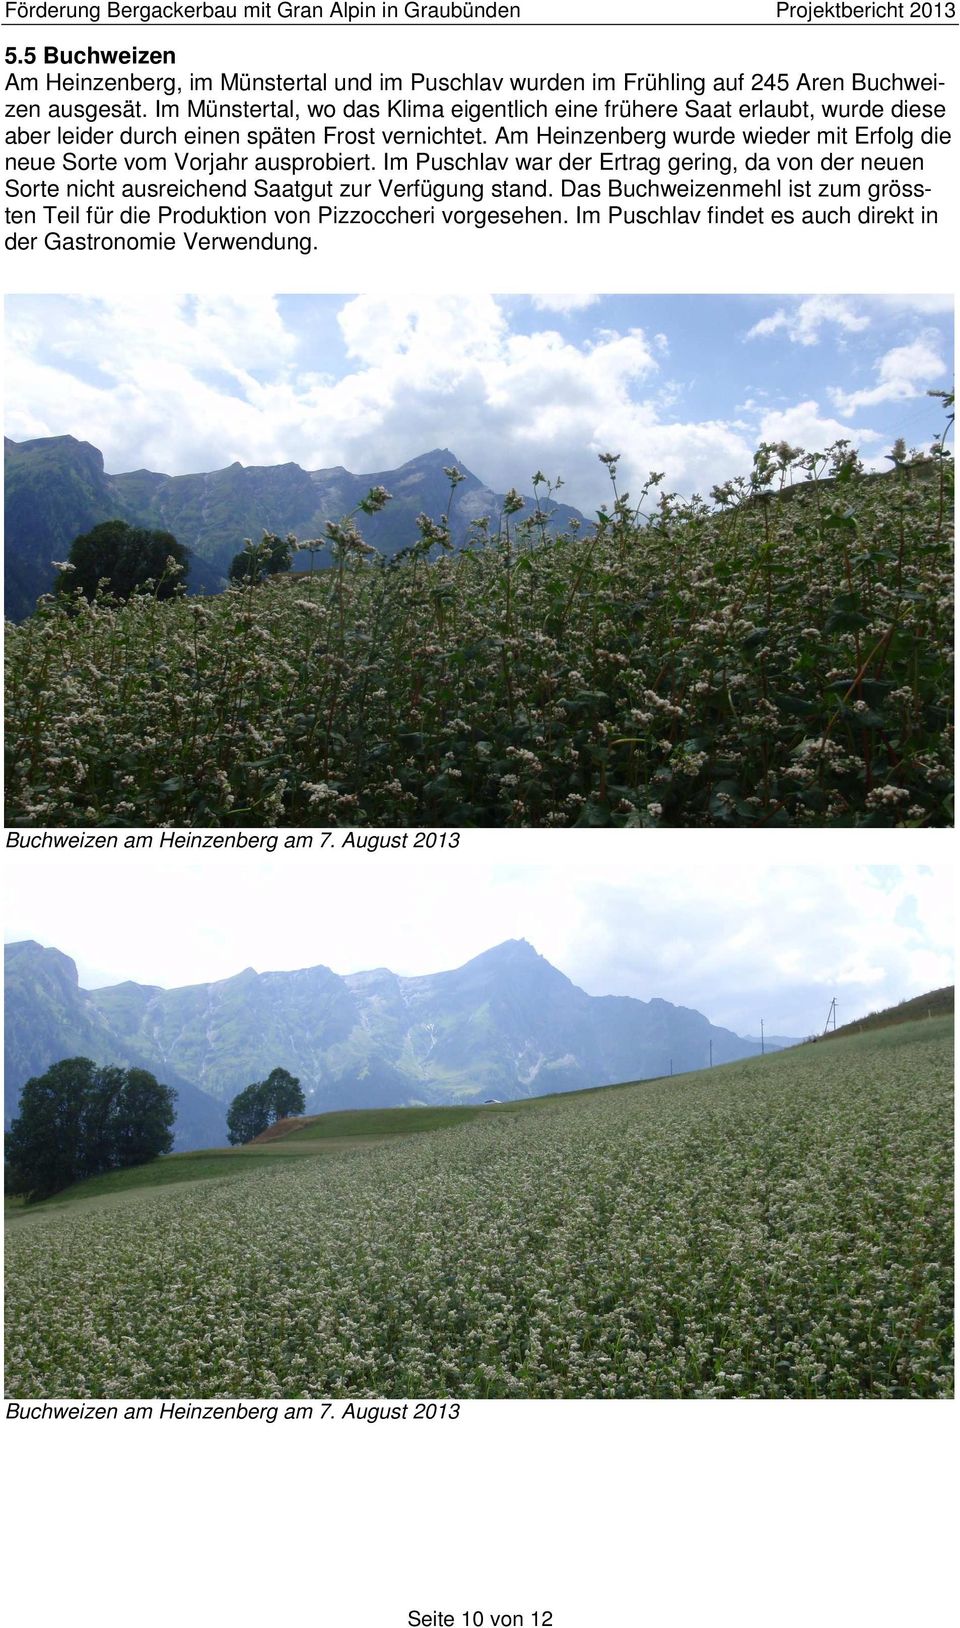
831	1016
762	1050
711	1054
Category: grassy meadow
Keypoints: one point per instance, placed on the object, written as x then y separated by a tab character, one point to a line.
777	656
775	1228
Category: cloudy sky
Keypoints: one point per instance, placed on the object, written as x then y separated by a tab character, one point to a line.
685	384
736	943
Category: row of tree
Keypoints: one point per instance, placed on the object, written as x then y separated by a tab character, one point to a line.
81	1119
262	1104
126	558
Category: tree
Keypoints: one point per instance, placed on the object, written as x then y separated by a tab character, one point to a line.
42	1150
98	1131
80	1119
128	557
268	558
248	1115
142	1120
262	1104
284	1094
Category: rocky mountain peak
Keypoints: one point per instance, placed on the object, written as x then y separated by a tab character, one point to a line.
505	1024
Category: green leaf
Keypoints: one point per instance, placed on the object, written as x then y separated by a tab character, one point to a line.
794	705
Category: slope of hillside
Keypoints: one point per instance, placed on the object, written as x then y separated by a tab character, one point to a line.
507	1024
355	1130
758	664
780	1227
938	1003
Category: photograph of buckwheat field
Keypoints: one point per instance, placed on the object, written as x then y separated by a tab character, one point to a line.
491	1131
547	561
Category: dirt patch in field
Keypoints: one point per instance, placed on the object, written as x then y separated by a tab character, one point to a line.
283	1127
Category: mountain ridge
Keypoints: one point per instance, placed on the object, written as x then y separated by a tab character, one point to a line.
505	1024
57	487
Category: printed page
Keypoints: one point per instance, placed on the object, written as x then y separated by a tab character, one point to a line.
478	816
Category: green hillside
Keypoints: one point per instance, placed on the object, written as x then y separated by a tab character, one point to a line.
311	1135
780	1227
938	1003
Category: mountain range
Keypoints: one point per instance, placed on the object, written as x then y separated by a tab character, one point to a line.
56	487
505	1025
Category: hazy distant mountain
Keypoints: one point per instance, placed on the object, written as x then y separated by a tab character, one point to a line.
56	488
48	1016
506	1025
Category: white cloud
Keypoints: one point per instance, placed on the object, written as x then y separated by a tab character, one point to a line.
179	384
738	943
186	385
803	323
777	942
902	373
803	425
163	384
381	329
922	304
563	302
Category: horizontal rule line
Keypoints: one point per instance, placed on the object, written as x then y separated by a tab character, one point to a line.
293	23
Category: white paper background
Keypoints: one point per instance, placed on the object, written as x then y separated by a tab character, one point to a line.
667	1514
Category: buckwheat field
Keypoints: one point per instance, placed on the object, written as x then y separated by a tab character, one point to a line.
777	656
778	1228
